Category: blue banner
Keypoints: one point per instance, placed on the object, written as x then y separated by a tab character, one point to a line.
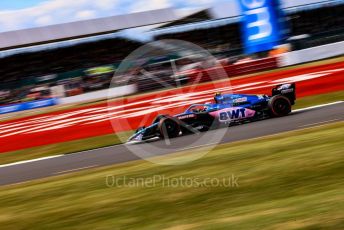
262	24
28	105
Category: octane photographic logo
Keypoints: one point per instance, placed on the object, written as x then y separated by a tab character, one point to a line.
167	76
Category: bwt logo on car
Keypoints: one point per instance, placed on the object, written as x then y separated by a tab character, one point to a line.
232	114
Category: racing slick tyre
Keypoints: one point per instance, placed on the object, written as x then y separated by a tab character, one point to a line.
158	118
168	127
279	106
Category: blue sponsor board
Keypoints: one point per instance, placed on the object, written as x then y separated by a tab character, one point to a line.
262	24
28	105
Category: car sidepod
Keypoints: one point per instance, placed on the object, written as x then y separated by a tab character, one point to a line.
228	115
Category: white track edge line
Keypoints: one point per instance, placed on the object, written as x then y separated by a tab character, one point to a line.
317	106
319	123
75	169
30	161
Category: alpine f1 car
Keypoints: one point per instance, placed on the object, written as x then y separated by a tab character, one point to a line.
226	110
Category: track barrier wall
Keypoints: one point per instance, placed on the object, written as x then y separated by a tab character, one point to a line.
99	95
28	105
311	54
210	74
234	70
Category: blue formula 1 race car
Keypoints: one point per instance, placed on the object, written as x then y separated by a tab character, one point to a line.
227	109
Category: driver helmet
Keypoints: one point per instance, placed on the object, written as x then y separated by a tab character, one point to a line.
218	97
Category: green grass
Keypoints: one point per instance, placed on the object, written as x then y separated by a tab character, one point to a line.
287	181
113	139
319	99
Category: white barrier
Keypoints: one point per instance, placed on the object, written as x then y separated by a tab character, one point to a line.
311	54
101	94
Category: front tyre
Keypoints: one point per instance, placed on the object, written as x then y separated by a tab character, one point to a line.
158	118
168	128
279	106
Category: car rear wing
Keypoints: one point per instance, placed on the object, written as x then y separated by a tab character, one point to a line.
287	90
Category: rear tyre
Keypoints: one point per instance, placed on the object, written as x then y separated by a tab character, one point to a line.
279	106
168	128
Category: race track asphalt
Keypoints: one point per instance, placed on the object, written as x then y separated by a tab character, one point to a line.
17	173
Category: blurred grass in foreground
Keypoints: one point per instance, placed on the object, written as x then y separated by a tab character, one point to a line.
287	181
113	139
